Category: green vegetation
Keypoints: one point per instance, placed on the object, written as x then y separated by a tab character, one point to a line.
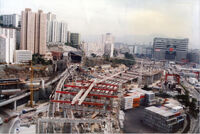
128	61
129	56
38	59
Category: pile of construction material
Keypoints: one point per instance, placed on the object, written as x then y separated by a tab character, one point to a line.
136	97
127	103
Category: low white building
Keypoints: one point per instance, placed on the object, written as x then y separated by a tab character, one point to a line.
22	56
7	44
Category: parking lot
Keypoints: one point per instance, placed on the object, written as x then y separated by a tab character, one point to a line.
133	122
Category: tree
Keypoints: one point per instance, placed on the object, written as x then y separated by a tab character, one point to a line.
128	56
93	55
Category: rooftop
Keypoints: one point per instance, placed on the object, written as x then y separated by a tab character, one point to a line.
163	111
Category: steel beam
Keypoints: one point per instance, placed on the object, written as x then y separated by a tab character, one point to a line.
69	120
87	92
98	95
86	103
74	86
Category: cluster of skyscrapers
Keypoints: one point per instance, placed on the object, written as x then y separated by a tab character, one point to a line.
32	31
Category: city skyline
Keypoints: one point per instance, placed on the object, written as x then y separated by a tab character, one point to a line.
129	21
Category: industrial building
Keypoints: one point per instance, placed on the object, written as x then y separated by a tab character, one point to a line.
170	49
168	118
7	44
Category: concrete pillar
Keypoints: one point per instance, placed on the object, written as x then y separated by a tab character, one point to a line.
37	127
15	105
42	84
64	112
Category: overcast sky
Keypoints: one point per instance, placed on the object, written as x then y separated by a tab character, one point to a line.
128	20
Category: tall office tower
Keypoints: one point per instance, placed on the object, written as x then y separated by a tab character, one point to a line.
170	49
75	38
108	41
33	31
12	20
7	44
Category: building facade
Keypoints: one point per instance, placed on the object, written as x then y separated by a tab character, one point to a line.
33	31
7	44
12	20
93	48
56	32
108	41
170	49
194	56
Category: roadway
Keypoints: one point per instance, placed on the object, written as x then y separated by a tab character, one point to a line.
194	128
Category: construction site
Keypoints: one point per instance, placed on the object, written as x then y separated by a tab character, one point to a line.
80	99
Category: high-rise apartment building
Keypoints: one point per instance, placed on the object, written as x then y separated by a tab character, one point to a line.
56	31
108	41
33	31
7	44
50	16
12	20
75	38
170	49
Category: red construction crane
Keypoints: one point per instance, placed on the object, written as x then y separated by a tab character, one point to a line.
175	75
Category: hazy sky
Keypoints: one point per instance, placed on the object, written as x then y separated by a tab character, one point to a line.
128	20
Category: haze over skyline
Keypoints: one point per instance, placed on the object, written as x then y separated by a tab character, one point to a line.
128	20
